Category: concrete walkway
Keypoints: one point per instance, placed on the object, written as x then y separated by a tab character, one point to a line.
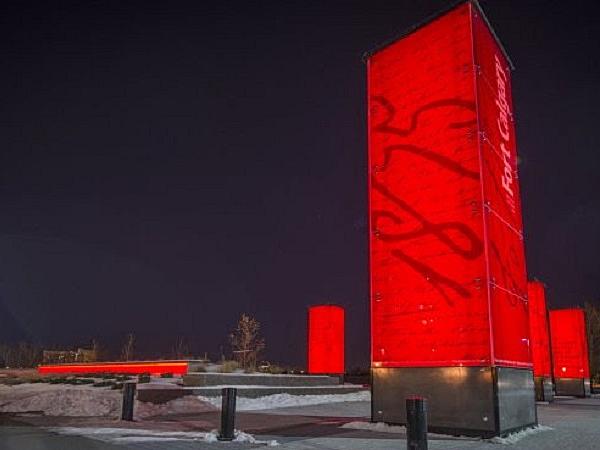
575	425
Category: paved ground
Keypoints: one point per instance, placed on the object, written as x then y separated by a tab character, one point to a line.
21	437
575	423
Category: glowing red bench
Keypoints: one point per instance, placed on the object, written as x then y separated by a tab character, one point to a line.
136	367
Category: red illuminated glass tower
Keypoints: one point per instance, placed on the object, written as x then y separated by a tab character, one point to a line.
539	335
325	340
449	315
570	358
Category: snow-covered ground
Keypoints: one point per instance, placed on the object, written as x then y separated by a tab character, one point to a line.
375	426
381	427
85	401
89	401
287	400
184	405
513	438
575	423
60	399
133	435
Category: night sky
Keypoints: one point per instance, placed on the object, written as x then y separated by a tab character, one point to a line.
168	166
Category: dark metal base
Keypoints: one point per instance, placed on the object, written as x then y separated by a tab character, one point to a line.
577	387
471	401
544	389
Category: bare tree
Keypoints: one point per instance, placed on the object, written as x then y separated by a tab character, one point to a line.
246	342
592	317
96	354
181	350
22	354
127	349
5	355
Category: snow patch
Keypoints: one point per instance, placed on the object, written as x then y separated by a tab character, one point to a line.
132	435
120	432
286	400
86	401
187	404
240	436
375	426
513	438
134	439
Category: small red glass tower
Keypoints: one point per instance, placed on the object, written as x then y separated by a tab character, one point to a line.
570	358
539	336
325	340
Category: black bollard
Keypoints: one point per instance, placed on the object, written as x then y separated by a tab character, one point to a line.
416	423
227	414
128	401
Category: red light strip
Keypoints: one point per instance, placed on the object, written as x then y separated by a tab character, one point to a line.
114	367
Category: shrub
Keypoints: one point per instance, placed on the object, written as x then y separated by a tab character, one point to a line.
144	378
58	380
166	375
229	366
275	369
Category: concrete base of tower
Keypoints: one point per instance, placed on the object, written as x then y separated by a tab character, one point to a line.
471	401
544	389
578	387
